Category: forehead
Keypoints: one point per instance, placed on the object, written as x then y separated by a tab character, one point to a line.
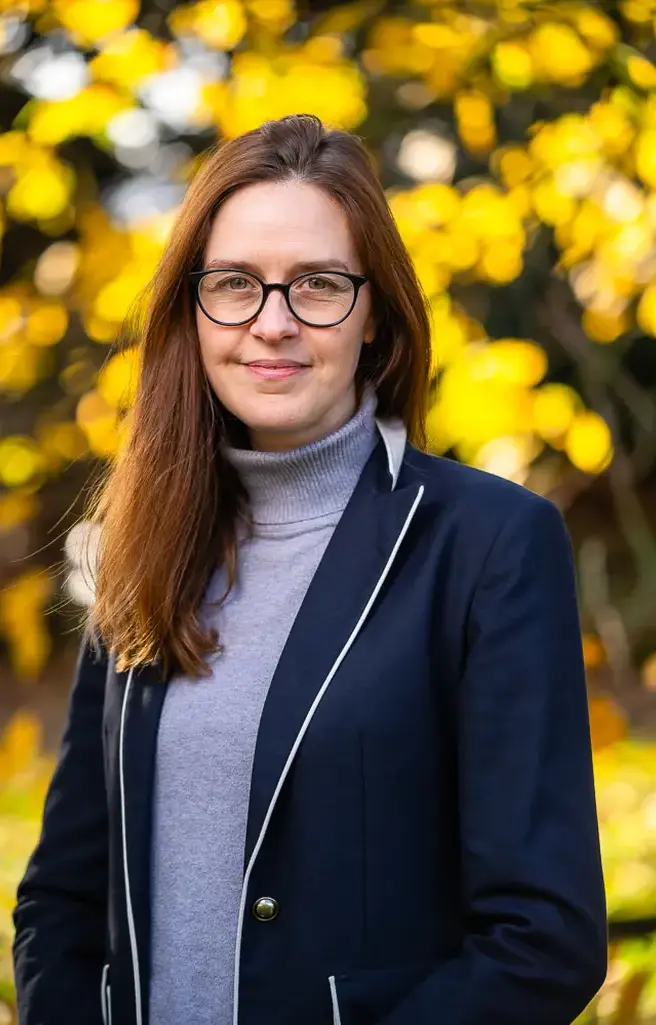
276	224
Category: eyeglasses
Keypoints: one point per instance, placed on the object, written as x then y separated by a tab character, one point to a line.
231	297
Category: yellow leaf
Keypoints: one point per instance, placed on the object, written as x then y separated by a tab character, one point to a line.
41	192
30	648
20	744
598	29
86	113
648	673
642	72
607	722
20	460
645	157
603	326
513	65
11	316
594	653
500	263
129	58
588	444
46	324
646	312
559	54
554	409
24	598
220	23
16	508
515	360
90	21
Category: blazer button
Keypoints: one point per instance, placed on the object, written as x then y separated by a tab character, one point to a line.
266	908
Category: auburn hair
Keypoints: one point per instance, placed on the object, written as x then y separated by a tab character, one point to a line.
167	511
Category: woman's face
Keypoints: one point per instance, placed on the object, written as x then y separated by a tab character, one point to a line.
278	231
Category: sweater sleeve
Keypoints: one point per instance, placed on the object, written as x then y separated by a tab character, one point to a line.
61	910
533	895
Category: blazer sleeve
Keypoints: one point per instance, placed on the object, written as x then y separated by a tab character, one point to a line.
532	887
61	911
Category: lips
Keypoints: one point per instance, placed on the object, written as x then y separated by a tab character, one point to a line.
276	364
276	369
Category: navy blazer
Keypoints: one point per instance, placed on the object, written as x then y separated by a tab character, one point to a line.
422	811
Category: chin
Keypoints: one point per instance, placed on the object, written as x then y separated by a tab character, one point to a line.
273	413
279	424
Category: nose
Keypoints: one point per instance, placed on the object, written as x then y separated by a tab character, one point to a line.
275	320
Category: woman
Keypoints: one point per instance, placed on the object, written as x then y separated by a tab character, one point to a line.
327	757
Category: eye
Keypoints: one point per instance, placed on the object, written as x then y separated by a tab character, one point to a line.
319	283
219	281
235	283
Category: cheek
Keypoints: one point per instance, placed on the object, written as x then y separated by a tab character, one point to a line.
335	354
216	343
342	348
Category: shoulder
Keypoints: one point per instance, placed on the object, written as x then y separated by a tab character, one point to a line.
479	503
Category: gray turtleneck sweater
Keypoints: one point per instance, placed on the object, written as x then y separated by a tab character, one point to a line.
208	727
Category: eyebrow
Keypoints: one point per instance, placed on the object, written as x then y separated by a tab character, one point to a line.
296	268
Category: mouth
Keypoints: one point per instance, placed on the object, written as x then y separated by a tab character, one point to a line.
275	369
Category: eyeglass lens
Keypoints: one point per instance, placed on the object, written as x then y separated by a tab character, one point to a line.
232	298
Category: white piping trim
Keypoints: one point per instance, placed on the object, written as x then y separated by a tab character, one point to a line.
126	875
299	737
337	1018
103	995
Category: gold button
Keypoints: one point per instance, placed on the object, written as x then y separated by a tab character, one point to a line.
266	908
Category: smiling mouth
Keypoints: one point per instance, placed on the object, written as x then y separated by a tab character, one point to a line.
274	370
277	364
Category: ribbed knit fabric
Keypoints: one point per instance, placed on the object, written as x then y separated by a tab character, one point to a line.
208	728
316	480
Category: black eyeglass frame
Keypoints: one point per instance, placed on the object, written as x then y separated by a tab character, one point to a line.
196	276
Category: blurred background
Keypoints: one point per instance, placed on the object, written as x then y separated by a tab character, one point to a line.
517	142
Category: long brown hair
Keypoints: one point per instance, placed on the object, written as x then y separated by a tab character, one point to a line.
169	507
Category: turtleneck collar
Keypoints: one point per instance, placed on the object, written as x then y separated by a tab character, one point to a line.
311	481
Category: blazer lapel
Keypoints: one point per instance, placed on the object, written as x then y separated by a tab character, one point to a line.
360	549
